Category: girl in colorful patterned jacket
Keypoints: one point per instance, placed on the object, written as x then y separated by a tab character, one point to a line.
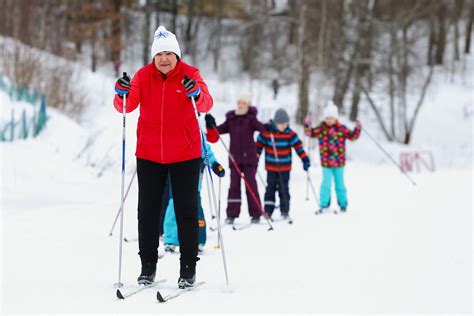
277	142
170	229
332	137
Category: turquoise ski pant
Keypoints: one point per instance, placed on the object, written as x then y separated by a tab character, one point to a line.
170	236
341	192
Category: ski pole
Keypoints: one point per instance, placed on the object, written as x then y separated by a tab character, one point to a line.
124	111
388	155
252	194
308	141
218	246
213	216
308	179
219	231
125	198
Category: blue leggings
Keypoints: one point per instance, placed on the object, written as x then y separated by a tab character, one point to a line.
341	192
170	236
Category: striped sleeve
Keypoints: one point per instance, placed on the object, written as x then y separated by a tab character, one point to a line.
297	145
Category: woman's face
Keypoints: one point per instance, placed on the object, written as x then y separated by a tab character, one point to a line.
330	121
165	61
241	105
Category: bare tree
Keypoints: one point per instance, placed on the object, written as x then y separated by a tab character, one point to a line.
146	32
467	42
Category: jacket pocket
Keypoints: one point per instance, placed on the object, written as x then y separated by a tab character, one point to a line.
148	133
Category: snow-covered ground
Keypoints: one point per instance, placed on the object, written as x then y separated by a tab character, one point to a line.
400	248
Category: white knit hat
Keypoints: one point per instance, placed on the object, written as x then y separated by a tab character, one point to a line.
164	41
331	110
246	97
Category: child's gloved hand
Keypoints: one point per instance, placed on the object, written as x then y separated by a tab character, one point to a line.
210	121
269	125
358	124
218	169
307	120
306	164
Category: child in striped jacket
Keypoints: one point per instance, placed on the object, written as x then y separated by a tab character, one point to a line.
277	142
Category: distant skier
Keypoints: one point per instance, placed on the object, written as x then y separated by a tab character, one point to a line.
275	87
168	141
281	138
332	148
241	124
170	238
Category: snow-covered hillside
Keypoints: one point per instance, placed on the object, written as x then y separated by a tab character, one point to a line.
400	248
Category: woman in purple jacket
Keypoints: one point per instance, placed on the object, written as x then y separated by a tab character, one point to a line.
241	124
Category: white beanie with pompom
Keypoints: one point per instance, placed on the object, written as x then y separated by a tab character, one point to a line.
331	110
164	41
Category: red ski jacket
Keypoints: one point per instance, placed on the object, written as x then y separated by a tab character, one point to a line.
167	130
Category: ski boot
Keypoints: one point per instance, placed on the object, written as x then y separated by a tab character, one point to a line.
229	220
147	276
187	275
200	248
170	248
255	220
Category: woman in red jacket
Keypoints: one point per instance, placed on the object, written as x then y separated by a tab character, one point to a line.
168	141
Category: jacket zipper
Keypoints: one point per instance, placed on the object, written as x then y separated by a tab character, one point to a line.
162	121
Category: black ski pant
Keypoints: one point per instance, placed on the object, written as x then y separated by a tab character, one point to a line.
184	178
274	183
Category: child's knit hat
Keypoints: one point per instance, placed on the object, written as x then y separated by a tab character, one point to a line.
281	117
331	110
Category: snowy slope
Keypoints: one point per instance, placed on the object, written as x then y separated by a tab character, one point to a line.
400	248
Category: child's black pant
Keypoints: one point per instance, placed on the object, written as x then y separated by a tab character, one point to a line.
184	178
274	183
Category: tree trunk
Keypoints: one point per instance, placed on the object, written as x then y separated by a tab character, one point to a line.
174	11
94	48
441	38
321	56
303	81
293	27
455	20
116	30
362	67
157	12
189	34
146	33
411	125
217	34
467	42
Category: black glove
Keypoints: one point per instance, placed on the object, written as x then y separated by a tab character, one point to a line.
122	86
218	170
269	126
191	87
306	163
210	121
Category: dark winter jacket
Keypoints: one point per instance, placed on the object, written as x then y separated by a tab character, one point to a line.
241	129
